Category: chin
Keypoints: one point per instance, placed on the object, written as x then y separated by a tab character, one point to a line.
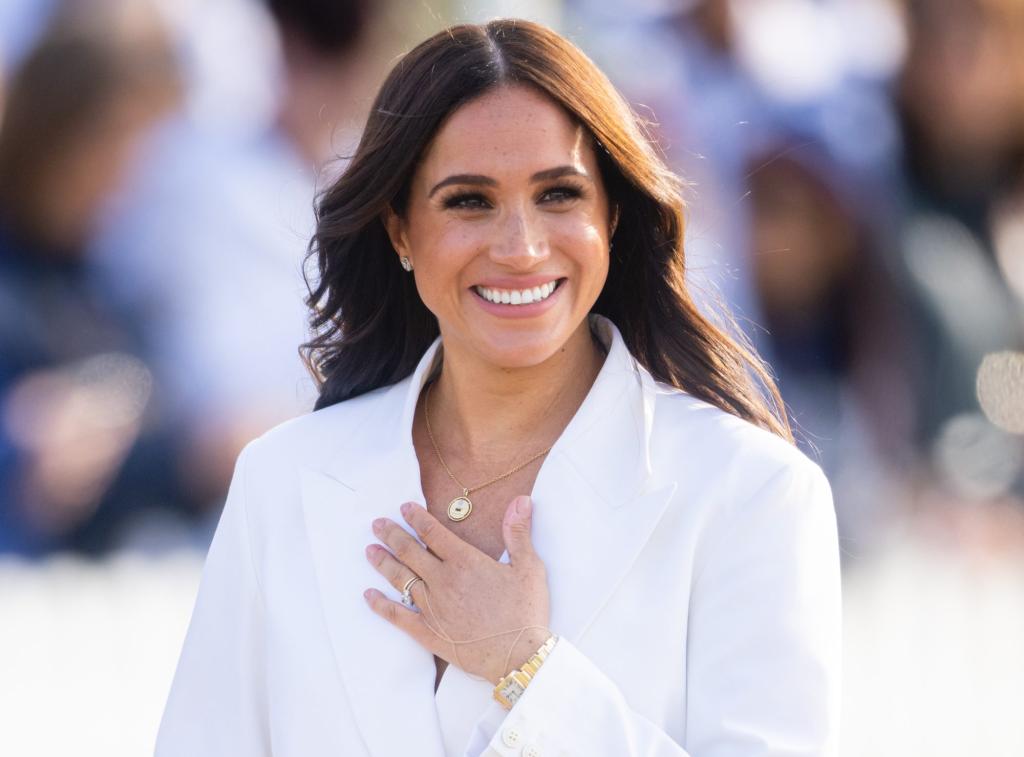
523	352
520	346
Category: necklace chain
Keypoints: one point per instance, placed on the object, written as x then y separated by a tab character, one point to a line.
466	490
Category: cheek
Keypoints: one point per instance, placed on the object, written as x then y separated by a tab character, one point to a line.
453	247
441	256
583	240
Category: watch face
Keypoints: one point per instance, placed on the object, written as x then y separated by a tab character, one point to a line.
511	690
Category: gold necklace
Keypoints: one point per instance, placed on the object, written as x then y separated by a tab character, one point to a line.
460	507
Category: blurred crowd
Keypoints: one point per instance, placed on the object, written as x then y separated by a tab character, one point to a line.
855	176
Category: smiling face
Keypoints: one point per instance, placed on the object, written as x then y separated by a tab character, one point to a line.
507	227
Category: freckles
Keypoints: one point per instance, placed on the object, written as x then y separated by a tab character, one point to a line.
459	235
581	230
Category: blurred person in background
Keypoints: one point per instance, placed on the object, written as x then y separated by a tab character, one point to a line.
77	451
961	98
830	309
214	227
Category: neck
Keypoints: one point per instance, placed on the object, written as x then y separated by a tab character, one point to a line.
481	411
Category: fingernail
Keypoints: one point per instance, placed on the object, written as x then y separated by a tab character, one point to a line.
523	506
406	508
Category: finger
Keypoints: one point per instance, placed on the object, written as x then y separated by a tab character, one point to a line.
405	547
441	540
515	530
398	615
385	563
399	576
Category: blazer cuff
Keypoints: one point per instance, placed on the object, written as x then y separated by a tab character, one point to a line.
562	711
526	728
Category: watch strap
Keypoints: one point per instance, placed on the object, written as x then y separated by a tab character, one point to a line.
512	686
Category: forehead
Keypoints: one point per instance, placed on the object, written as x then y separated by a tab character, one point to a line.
508	130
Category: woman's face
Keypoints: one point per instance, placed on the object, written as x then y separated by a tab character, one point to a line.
507	228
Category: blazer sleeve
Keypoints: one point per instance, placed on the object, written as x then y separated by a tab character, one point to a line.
763	647
216	704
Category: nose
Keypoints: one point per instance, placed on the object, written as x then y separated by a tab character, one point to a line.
521	242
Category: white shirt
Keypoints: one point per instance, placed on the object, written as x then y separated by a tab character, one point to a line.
692	563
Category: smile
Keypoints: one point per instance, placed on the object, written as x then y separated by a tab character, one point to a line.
517	296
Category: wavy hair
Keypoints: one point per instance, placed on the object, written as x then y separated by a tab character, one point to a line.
370	325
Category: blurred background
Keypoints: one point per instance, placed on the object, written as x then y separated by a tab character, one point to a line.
855	180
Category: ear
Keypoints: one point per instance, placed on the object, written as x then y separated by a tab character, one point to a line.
395	227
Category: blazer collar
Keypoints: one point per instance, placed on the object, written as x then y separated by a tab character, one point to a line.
619	406
595	508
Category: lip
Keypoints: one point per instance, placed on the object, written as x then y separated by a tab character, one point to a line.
519	311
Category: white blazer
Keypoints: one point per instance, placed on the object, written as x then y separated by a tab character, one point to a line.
692	562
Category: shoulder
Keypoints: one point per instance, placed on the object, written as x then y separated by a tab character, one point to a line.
753	497
740	460
313	439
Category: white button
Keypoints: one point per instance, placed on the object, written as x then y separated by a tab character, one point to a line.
510	736
531	751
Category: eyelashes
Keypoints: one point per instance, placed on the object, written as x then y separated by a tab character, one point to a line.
465	201
461	200
563	192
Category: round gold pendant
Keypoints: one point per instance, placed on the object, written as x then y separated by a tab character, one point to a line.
459	508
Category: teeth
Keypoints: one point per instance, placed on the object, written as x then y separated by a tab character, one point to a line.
517	296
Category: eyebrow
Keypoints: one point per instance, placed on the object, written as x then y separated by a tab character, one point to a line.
486	181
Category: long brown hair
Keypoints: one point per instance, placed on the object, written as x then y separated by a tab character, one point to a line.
371	325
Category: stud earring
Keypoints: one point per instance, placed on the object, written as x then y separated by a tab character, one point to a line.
406	263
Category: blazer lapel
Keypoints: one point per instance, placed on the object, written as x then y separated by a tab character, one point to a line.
587	547
596	503
388	676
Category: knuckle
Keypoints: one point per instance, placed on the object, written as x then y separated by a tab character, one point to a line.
520	529
427	528
533	568
403	549
458	565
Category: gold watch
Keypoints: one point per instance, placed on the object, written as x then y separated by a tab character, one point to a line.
512	686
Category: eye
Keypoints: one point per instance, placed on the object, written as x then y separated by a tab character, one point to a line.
466	201
561	193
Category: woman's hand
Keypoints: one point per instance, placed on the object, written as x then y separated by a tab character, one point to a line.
464	593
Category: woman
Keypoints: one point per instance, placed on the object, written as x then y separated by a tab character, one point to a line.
596	495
